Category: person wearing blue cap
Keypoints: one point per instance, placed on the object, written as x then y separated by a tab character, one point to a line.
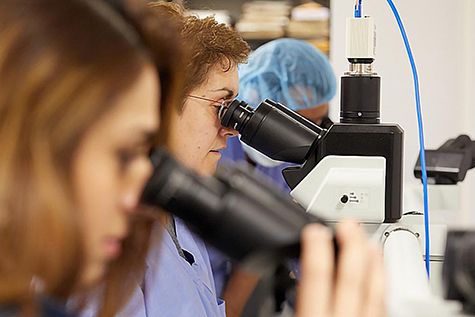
291	72
299	76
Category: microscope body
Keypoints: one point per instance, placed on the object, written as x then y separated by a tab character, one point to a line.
355	168
354	171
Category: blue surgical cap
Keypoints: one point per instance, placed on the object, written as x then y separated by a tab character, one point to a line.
289	71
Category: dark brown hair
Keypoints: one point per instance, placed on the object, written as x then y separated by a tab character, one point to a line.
62	66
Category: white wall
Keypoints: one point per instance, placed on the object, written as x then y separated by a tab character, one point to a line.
468	190
442	35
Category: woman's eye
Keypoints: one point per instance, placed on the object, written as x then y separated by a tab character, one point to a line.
127	157
217	108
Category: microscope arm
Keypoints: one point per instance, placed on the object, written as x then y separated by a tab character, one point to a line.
449	163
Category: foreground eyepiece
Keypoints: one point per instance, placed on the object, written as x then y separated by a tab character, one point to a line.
239	214
459	268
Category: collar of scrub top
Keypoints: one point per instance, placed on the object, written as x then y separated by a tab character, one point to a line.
223	105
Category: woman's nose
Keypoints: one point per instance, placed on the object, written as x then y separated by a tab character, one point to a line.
130	201
136	184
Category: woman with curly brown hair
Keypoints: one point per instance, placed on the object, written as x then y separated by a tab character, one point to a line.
178	278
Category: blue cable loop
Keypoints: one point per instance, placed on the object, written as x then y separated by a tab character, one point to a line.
421	133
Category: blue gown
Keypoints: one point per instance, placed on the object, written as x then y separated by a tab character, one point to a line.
235	153
174	287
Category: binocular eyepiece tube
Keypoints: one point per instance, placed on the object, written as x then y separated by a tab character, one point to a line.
241	215
272	129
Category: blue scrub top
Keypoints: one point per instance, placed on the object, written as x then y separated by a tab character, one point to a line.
172	286
47	307
234	152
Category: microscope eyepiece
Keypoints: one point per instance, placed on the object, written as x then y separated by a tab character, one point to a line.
272	129
238	213
236	115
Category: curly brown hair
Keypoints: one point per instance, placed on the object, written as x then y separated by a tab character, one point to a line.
210	44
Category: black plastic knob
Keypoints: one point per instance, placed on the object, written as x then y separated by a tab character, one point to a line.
344	199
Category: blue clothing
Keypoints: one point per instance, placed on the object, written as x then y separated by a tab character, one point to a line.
221	266
235	153
174	287
48	307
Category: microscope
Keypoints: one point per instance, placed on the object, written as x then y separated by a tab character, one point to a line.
448	164
238	213
353	169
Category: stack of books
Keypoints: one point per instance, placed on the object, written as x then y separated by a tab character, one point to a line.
264	19
311	21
